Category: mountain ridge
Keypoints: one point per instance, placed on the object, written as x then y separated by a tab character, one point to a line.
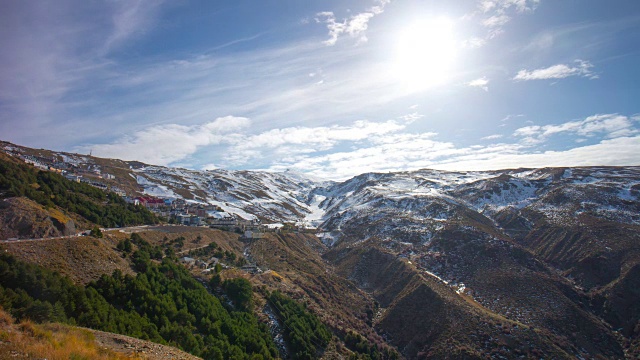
555	251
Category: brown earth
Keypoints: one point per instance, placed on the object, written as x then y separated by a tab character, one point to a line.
298	269
86	258
426	318
23	218
83	259
137	348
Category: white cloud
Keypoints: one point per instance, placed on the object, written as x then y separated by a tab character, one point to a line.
494	15
492	137
356	26
481	83
496	21
276	143
501	6
511	116
172	143
622	151
397	152
341	151
165	144
607	125
486	5
560	71
325	137
393	152
410	118
130	18
474	42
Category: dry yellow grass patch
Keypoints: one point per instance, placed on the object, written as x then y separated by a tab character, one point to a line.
49	341
58	215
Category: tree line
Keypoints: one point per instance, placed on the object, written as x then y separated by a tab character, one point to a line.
50	189
305	334
163	303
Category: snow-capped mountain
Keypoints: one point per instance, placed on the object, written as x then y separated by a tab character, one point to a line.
249	194
421	195
406	205
411	205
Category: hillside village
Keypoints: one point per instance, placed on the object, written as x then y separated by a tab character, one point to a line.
176	211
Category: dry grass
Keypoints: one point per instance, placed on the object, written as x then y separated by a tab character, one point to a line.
49	341
59	215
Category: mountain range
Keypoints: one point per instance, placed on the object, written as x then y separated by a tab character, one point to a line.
531	263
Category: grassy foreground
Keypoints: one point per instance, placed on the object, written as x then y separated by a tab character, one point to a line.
49	341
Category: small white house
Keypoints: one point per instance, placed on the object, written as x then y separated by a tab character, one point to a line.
188	260
253	234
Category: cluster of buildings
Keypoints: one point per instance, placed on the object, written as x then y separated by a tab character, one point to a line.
178	211
92	175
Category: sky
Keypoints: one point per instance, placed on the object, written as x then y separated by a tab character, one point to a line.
327	88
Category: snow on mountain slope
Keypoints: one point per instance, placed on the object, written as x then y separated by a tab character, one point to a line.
405	204
388	203
273	196
402	205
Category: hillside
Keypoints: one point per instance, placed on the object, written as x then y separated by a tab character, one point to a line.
57	341
162	303
23	218
36	203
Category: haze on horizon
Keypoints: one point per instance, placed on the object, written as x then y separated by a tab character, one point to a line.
326	88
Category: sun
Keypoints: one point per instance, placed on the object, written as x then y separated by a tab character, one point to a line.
424	54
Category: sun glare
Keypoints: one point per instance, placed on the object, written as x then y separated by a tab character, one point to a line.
425	52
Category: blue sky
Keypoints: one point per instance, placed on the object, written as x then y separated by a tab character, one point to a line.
328	88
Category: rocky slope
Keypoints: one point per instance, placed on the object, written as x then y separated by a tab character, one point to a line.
24	218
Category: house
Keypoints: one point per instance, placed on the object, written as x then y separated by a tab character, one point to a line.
118	191
188	219
252	269
214	214
253	234
60	165
99	185
188	260
184	219
163	213
276	226
73	177
178	203
150	202
217	218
